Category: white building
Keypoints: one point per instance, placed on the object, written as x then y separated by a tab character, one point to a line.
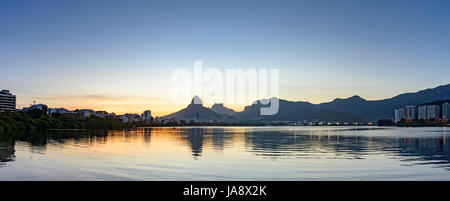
400	114
59	111
7	101
433	111
445	111
101	114
147	115
422	112
85	112
129	117
410	112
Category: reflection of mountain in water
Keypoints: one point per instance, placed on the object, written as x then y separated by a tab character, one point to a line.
302	143
423	150
195	138
275	144
218	139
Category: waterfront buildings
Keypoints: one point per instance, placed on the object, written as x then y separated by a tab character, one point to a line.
81	112
433	111
7	101
422	112
100	113
400	114
445	111
42	107
59	111
146	115
84	112
129	117
410	112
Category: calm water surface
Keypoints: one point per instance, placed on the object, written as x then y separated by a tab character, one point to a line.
230	153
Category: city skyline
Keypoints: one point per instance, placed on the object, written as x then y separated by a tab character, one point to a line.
408	114
119	57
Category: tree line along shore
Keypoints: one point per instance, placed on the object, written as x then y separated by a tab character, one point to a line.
36	120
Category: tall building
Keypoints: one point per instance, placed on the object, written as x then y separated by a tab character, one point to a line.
400	114
433	111
147	115
7	101
410	112
445	111
422	112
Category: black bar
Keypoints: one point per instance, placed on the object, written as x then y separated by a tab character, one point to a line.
273	190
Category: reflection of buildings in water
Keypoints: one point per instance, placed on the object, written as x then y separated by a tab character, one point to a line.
6	152
423	150
147	134
428	151
218	138
269	144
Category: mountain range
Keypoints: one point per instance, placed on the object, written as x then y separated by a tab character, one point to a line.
349	109
196	111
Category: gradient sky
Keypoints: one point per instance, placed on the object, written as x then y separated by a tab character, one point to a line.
119	55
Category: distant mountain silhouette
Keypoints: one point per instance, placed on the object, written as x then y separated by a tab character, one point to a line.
222	110
353	108
196	111
297	111
437	102
378	109
288	110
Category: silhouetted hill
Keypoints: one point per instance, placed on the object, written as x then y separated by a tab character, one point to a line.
380	109
296	111
353	108
437	102
222	110
195	111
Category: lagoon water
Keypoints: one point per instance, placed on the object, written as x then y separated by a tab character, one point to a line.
230	153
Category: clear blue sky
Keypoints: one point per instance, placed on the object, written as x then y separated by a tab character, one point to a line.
120	54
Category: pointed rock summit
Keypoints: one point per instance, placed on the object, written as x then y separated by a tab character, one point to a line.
351	109
195	111
196	100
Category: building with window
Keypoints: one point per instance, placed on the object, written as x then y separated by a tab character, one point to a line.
59	111
7	101
42	107
445	111
400	114
433	111
422	112
410	112
84	112
147	115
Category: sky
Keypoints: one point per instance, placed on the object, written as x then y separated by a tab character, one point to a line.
118	56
